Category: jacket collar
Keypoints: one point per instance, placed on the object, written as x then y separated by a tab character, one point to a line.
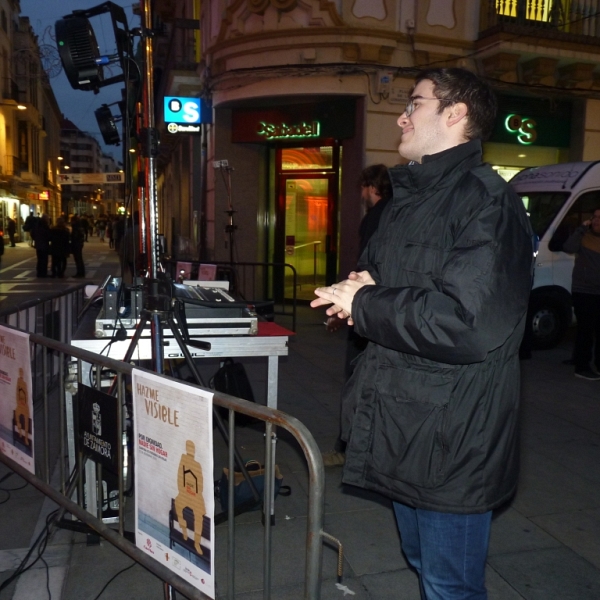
437	170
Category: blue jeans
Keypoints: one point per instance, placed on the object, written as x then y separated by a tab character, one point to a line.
448	551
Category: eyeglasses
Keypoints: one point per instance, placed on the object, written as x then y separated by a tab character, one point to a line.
410	107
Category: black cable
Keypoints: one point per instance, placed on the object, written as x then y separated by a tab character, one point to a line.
9	490
47	577
113	578
42	540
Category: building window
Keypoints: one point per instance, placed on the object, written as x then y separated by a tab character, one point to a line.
535	10
23	147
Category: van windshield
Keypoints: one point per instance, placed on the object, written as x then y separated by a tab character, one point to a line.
542	207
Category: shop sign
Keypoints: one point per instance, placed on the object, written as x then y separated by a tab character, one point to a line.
533	122
185	115
45	195
282	131
522	127
311	121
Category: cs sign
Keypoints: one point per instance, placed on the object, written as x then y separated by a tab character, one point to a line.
184	115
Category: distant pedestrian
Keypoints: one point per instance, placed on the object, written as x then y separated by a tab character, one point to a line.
109	232
101	226
119	232
42	245
585	289
77	239
85	226
12	229
60	239
30	225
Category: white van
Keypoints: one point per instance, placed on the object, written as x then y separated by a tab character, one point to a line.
558	198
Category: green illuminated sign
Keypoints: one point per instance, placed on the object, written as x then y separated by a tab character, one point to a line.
303	130
522	127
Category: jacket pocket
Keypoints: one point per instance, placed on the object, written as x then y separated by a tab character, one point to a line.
408	442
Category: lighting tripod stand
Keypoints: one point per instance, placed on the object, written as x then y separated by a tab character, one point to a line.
84	68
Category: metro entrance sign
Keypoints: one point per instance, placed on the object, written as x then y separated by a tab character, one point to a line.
90	178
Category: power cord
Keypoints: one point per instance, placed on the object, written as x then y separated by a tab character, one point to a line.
113	578
40	543
9	490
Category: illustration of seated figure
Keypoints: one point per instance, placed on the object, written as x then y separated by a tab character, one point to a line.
22	409
189	484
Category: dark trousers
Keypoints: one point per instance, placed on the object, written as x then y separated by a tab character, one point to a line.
59	264
587	339
42	262
11	237
78	258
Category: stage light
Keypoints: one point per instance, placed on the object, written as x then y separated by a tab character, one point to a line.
79	53
107	125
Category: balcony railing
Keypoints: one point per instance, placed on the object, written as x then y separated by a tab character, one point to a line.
569	20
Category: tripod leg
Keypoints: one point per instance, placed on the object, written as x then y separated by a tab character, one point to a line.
132	346
218	420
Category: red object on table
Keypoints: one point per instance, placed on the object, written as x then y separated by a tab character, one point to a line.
266	328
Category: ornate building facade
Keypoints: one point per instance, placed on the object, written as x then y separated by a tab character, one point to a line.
306	93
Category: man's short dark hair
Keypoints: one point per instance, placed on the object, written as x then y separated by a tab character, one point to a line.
379	178
459	85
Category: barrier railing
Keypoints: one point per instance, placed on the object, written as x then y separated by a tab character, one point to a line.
56	317
59	384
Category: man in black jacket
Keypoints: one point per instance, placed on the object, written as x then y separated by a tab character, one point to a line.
585	287
431	410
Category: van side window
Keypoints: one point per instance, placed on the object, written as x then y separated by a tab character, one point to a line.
583	208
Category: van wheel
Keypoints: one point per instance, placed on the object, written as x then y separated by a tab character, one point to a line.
548	320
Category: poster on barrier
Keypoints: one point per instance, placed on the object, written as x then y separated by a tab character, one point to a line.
173	453
16	398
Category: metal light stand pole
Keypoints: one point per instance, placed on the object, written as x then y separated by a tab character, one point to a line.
150	213
230	227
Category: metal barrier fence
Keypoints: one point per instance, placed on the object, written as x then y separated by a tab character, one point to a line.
250	280
53	368
56	317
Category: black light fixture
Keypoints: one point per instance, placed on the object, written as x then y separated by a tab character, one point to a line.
79	53
108	126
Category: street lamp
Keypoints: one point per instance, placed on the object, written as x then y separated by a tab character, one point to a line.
10	103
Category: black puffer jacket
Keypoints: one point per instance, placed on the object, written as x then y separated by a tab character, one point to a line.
431	411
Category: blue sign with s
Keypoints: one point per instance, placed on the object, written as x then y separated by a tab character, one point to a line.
184	110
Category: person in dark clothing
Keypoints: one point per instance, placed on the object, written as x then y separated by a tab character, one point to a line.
585	289
41	238
118	232
430	413
30	225
109	232
60	241
11	228
77	239
85	226
376	191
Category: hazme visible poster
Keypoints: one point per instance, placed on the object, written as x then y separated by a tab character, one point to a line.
173	477
16	398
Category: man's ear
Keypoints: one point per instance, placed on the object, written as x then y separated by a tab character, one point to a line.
456	113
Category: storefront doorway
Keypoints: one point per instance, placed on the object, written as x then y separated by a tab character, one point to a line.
306	217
